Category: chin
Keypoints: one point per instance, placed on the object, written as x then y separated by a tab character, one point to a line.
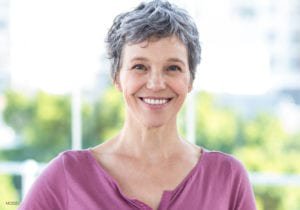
153	124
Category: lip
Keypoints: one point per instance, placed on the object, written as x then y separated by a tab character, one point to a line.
155	106
156	97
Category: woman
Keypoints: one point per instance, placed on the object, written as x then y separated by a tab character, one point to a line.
154	51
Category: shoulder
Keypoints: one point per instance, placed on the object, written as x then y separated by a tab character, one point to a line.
227	171
221	162
73	156
68	158
64	163
50	190
222	158
230	172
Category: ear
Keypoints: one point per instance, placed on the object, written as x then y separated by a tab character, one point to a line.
190	88
117	83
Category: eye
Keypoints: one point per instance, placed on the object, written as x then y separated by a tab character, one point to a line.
139	67
174	68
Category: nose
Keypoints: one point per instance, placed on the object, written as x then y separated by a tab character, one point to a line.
156	81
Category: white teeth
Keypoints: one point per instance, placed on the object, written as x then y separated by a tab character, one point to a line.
155	101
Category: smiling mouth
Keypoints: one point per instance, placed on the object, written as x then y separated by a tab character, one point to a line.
155	101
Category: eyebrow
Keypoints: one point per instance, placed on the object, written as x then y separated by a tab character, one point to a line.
139	59
169	60
177	60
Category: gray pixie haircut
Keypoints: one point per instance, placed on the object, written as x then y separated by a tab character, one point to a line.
154	19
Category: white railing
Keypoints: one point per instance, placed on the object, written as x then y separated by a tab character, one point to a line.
272	179
30	169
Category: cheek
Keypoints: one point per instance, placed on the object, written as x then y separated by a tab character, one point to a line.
130	85
181	86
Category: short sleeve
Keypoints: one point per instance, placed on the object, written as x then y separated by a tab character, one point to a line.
49	191
243	196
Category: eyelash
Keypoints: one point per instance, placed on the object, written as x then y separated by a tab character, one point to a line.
169	68
177	68
139	67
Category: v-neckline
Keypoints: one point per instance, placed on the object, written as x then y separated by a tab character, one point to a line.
166	194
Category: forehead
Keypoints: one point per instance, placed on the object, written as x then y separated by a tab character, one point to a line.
158	49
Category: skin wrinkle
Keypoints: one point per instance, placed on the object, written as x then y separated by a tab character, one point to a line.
163	37
157	19
147	165
158	80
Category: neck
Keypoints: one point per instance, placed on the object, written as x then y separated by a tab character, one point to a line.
151	144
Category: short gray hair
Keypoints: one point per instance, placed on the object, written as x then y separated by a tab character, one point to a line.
157	19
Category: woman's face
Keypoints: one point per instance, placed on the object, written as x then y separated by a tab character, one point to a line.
154	78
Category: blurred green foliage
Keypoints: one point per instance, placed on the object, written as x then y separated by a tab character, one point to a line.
8	194
260	142
103	118
217	127
42	122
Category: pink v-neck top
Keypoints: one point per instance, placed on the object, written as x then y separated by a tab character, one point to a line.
75	180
